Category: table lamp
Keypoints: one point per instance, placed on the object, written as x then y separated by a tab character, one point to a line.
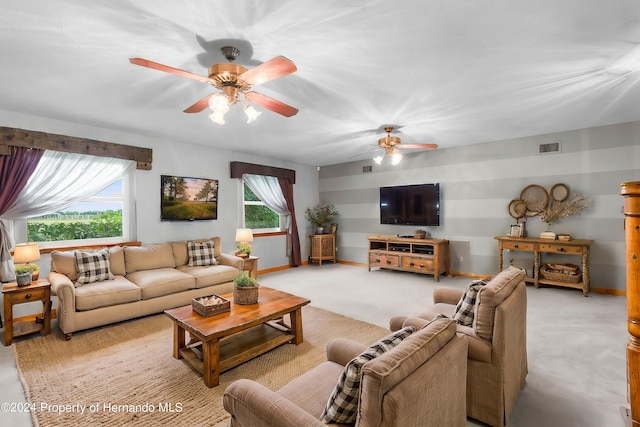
25	253
243	237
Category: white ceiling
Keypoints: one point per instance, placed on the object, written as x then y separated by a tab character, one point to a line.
450	72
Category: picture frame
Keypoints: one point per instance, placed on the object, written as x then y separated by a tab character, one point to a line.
517	230
188	199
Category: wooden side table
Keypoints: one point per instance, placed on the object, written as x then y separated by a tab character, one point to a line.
251	265
39	290
323	247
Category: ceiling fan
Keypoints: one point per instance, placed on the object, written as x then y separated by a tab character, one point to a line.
391	145
234	80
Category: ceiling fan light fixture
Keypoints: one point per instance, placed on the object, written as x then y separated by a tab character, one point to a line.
252	113
219	102
396	157
217	117
378	159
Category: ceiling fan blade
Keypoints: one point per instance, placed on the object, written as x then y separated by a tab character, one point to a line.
160	67
271	104
199	106
419	145
272	69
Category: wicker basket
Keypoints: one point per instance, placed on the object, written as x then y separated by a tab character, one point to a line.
210	310
567	273
419	234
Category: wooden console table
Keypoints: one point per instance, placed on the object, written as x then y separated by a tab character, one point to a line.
548	246
426	256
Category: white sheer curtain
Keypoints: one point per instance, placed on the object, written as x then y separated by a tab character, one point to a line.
64	179
268	190
59	181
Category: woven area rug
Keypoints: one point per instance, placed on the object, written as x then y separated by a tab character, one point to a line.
124	374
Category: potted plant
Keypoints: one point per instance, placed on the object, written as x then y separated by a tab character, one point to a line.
320	214
35	271
23	274
245	289
244	250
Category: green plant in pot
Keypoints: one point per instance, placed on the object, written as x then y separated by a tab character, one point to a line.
244	250
23	274
35	271
320	214
245	289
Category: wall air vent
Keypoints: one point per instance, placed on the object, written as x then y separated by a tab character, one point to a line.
549	148
366	169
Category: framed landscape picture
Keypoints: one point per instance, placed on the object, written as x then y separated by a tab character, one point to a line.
188	199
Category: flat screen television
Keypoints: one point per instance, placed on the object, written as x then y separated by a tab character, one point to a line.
410	205
188	199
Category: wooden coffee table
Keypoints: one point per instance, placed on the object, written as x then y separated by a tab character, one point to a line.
231	338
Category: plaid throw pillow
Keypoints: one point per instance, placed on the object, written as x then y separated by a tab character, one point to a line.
93	266
466	308
342	406
201	253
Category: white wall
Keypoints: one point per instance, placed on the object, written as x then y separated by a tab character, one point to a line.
184	159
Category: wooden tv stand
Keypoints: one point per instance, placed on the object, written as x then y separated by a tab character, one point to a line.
426	256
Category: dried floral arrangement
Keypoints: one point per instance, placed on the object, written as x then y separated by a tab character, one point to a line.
558	210
211	300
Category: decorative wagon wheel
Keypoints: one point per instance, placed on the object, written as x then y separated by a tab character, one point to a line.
536	199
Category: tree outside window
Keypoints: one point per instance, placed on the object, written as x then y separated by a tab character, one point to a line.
257	215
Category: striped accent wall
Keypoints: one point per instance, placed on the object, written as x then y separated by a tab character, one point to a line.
478	181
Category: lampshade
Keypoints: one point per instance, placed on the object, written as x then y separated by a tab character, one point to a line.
244	235
25	253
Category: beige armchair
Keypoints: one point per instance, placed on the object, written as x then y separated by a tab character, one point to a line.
420	382
497	364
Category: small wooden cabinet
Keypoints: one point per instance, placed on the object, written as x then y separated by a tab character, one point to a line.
543	247
425	256
323	248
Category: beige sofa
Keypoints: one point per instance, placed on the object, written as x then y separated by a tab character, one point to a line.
497	365
147	279
418	383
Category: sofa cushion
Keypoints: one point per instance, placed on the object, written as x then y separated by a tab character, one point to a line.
181	255
116	260
466	307
92	266
201	253
342	405
148	257
162	281
64	262
211	274
491	296
106	293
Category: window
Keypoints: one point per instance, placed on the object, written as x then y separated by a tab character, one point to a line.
100	218
256	214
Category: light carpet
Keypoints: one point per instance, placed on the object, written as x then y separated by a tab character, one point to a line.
125	373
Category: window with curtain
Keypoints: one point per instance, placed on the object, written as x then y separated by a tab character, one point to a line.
256	214
74	199
97	217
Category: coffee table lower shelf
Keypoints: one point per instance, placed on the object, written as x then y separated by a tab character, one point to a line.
235	349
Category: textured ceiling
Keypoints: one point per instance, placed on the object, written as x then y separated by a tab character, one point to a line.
450	72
